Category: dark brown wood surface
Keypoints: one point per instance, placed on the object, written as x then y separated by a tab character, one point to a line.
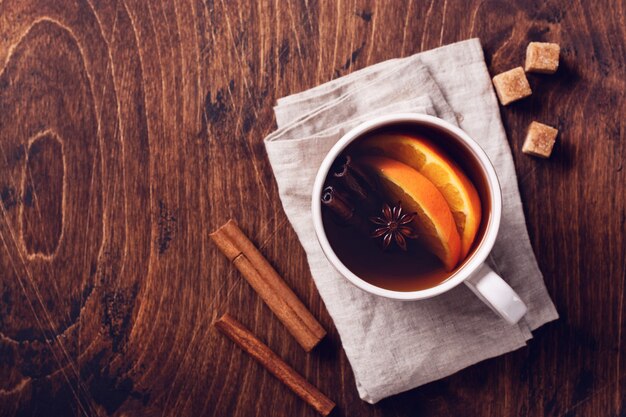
131	129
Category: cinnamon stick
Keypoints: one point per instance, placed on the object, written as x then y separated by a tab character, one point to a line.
269	285
274	364
350	176
337	203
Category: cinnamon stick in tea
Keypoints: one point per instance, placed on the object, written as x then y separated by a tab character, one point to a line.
274	364
350	176
269	285
337	203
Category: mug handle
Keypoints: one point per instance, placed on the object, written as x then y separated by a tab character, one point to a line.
497	294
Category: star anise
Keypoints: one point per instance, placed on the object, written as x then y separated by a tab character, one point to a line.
393	226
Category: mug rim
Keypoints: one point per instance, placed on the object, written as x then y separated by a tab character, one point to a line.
476	259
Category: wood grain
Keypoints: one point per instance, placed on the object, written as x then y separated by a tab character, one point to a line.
130	129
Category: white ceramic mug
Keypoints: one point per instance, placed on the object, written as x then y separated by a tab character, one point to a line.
481	279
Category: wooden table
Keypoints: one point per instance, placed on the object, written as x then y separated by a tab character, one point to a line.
130	129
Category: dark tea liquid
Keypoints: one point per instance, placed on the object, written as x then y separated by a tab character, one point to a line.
416	269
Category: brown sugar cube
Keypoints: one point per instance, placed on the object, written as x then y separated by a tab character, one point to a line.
511	85
542	57
539	140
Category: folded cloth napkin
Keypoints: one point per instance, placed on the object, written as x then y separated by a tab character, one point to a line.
392	345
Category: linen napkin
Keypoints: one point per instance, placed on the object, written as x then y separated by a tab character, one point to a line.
394	346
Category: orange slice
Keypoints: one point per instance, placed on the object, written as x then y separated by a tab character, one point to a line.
437	167
434	222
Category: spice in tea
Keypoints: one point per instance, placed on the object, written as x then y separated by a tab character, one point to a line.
399	211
